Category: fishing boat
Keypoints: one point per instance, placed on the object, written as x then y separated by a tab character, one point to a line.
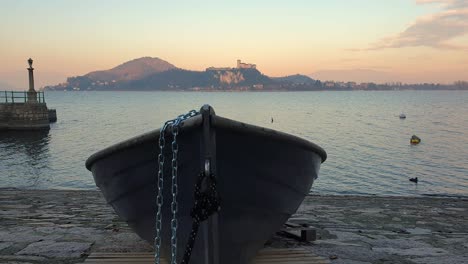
261	176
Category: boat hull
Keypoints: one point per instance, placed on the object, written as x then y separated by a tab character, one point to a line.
262	178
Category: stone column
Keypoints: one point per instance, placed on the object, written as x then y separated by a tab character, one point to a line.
32	95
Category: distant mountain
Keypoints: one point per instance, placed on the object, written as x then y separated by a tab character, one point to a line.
132	70
155	74
295	79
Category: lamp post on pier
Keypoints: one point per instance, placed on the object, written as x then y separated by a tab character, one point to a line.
32	95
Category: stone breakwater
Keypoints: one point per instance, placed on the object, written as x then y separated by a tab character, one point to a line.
18	116
52	226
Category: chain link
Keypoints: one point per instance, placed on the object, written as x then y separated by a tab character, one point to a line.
174	123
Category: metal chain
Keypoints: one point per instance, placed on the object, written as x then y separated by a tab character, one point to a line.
174	123
159	198
174	191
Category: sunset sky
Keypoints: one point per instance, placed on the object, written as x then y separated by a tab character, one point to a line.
355	40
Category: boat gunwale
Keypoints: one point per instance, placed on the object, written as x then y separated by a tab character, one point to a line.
217	122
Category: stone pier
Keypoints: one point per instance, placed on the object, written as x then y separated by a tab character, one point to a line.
25	110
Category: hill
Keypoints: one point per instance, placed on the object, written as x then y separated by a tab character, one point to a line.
295	79
152	74
132	70
156	74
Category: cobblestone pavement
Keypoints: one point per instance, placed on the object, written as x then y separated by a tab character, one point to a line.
369	229
55	226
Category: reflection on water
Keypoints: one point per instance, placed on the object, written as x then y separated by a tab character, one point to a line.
33	143
25	152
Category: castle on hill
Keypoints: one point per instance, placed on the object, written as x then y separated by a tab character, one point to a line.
240	65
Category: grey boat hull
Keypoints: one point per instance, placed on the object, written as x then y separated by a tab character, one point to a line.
262	177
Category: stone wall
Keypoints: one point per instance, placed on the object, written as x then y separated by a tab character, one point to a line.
24	116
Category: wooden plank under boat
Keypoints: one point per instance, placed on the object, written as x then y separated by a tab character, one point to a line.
266	255
262	176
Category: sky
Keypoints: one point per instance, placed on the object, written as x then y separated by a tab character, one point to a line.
349	40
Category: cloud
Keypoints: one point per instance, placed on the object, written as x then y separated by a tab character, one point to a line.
435	30
448	3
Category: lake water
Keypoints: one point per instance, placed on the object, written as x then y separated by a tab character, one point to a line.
367	144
